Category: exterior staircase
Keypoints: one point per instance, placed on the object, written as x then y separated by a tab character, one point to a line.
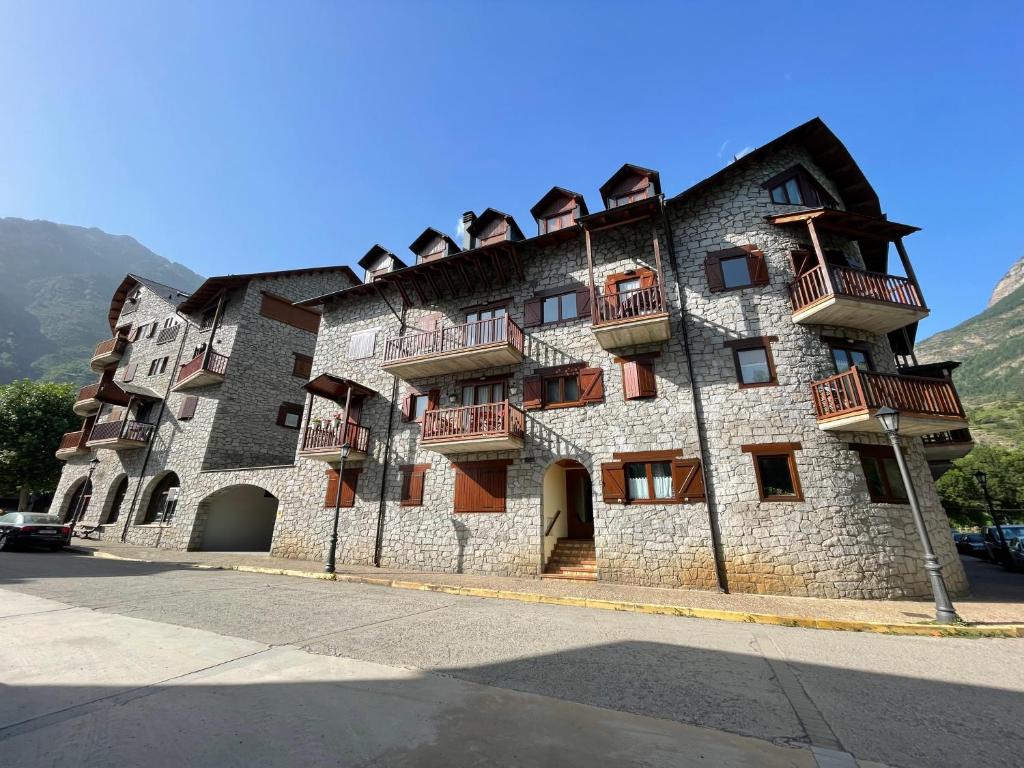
572	559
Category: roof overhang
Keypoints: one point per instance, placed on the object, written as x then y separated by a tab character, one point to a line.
209	290
335	388
623	214
847	223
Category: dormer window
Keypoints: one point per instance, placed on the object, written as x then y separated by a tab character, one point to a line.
379	261
432	245
796	186
556	222
630	184
491	226
630	197
558	209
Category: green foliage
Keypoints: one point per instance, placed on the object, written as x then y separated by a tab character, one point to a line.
33	418
961	495
997	421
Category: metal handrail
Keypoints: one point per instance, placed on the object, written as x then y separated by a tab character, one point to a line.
551	525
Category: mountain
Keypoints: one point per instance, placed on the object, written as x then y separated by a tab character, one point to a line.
991	347
55	293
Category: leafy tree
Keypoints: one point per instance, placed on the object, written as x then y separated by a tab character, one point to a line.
961	495
33	418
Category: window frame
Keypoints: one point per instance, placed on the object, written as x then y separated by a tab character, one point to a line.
755	342
776	450
879	455
848	345
284	410
306	362
561	379
807	185
757	268
648	466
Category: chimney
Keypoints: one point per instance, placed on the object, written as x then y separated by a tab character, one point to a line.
467	239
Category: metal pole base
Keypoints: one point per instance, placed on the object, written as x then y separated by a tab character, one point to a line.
945	613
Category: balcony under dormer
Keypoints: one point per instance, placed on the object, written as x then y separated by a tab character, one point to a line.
474	428
623	318
107	353
456	349
206	368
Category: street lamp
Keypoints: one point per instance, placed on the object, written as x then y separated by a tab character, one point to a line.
945	613
79	511
982	477
343	452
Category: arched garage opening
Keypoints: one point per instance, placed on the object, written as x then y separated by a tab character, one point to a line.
76	501
237	519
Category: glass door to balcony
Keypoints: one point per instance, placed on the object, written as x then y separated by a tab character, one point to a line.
488	413
485	326
846	358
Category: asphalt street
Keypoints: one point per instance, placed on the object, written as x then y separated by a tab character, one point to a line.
106	662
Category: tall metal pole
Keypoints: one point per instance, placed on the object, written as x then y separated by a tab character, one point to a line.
329	564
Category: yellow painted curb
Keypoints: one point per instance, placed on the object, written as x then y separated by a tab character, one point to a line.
715	614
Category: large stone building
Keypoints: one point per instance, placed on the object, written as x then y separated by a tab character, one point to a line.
671	391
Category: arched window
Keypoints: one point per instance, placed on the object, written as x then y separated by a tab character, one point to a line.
164	500
79	503
115	505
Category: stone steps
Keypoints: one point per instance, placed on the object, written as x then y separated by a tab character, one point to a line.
573	559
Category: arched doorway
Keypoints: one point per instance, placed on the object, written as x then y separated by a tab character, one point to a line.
120	490
163	500
237	519
78	504
568	503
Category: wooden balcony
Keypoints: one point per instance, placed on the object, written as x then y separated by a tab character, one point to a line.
324	443
72	444
848	402
474	428
87	402
204	369
107	352
459	348
120	435
869	301
627	318
947	446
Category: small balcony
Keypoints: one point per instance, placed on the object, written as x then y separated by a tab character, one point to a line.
323	443
848	402
473	428
120	435
87	403
107	353
626	318
947	446
459	348
204	369
72	444
868	301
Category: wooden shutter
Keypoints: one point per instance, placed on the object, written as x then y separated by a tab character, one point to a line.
188	408
583	302
433	399
613	482
638	379
407	406
481	486
533	312
302	366
430	321
591	385
803	261
129	372
647	278
533	388
687	480
713	269
758	268
348	487
413	481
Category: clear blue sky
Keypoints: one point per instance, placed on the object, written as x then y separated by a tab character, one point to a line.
235	137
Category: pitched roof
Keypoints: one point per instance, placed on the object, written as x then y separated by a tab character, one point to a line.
173	296
429	234
541	205
629	169
206	292
375	253
493	213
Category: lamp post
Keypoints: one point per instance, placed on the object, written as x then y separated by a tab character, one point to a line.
343	451
945	613
79	511
982	477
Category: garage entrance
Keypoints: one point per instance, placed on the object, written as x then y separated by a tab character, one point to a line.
237	519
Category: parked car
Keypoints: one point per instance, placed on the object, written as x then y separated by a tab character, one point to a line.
994	546
1016	555
33	529
972	544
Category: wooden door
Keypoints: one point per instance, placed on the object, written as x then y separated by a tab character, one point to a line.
579	504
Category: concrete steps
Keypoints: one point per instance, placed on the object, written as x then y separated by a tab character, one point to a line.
573	559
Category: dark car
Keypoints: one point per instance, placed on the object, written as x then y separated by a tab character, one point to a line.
992	542
33	529
972	544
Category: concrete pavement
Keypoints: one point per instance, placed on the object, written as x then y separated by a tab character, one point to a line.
895	700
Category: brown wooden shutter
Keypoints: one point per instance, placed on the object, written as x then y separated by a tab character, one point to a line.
713	269
647	278
613	482
630	384
687	480
413	481
188	408
430	321
481	486
348	487
638	379
533	312
433	399
407	407
129	372
302	366
591	385
758	268
583	302
533	388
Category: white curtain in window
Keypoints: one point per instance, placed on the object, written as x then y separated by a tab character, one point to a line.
636	481
662	474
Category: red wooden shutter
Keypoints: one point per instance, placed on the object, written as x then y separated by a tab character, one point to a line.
583	302
713	269
758	268
188	408
433	399
638	379
647	278
129	372
687	480
413	480
532	392
591	385
630	384
481	486
348	487
332	488
407	407
613	482
533	312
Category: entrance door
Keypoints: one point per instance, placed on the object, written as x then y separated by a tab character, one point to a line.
579	498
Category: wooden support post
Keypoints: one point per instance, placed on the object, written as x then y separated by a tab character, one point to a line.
909	269
595	312
213	329
826	273
309	415
657	265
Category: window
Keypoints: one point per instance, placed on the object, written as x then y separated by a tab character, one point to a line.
348	487
851	355
882	473
418	403
648	480
485	326
413	481
557	308
557	305
289	415
775	471
556	222
188	408
755	366
628	197
735	268
559	390
481	486
652	477
158	366
563	386
164	501
638	379
418	407
361	344
302	365
797	187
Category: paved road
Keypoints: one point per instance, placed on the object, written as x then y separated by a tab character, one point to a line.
210	667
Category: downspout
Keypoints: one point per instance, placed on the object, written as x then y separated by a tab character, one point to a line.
378	545
721	578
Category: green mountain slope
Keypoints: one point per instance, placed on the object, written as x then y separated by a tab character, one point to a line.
55	292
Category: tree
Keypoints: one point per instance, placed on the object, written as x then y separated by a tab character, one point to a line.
961	495
33	418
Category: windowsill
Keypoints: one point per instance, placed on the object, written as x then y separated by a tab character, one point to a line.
782	499
759	384
559	323
739	288
894	502
153	525
559	406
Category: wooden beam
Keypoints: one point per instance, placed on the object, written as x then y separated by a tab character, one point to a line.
400	285
909	268
517	262
446	274
433	283
495	258
419	291
826	273
465	275
594	315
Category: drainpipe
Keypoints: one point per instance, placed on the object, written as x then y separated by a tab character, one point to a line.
721	577
378	546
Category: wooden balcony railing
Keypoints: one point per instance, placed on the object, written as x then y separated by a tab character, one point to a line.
856	390
72	441
951	437
321	438
489	420
88	392
204	361
455	338
628	305
127	429
854	283
110	346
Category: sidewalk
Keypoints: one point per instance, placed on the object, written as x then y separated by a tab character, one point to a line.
996	608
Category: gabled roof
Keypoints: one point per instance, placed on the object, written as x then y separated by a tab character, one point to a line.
562	192
429	234
173	296
628	169
482	220
206	292
375	253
